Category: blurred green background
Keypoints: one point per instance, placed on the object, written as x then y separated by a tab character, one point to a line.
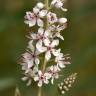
80	42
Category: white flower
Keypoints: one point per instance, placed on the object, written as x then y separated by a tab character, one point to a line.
58	4
40	5
62	20
61	60
29	75
31	18
29	59
55	31
49	48
52	18
40	37
53	71
42	78
57	28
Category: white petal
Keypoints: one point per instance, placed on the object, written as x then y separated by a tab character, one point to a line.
32	23
52	81
39	44
48	55
61	64
60	36
42	13
40	73
47	33
55	43
39	47
30	64
33	36
40	22
47	75
30	46
53	2
64	9
41	31
37	61
47	42
36	78
24	78
59	4
29	82
40	83
35	69
51	68
56	52
56	76
46	81
36	10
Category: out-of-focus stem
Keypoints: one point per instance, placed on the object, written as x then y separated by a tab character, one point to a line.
39	91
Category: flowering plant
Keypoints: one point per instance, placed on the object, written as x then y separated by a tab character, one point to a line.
43	45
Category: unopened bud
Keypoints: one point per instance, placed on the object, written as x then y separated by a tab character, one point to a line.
62	20
40	5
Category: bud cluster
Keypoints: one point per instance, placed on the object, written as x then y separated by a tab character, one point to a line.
67	83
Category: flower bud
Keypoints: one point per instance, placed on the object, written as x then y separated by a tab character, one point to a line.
62	20
40	5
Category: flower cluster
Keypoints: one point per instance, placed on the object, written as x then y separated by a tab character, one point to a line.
44	43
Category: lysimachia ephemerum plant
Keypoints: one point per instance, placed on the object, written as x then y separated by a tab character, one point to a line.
43	44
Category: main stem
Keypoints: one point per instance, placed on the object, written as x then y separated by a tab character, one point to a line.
45	62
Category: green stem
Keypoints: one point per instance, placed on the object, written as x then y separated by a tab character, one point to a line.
39	91
47	7
47	4
45	62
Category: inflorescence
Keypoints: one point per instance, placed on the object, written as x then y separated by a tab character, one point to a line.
43	44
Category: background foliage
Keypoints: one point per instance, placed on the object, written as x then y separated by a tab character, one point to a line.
80	42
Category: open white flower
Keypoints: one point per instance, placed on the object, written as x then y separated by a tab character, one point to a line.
40	35
55	31
61	60
42	78
48	48
52	18
57	28
29	59
31	18
58	4
53	71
